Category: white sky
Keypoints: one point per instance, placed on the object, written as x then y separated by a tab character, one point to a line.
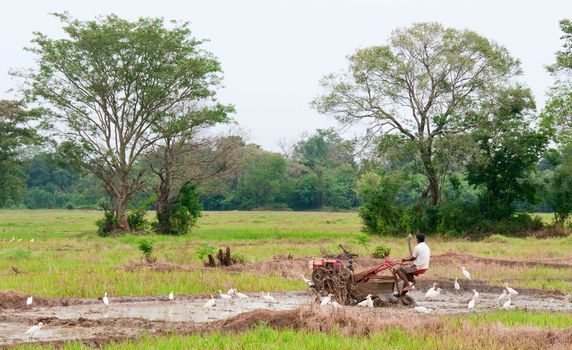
274	52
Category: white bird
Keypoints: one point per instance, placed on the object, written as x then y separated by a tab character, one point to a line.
506	304
326	300
224	296
476	294
503	295
336	305
433	294
472	304
431	290
32	240
171	296
241	295
457	285
510	290
31	332
231	291
210	303
30	300
466	273
308	282
105	299
422	309
269	298
367	302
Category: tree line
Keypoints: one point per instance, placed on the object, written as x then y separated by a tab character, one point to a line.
119	115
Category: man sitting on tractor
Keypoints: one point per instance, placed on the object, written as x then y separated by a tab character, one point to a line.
420	257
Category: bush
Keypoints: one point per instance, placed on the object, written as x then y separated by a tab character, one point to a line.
137	221
108	225
205	250
182	214
381	252
379	211
146	247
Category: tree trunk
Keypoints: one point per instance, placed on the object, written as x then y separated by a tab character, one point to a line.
431	173
120	207
164	191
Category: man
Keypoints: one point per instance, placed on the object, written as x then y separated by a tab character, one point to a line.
420	257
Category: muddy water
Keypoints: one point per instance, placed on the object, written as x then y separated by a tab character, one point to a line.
74	322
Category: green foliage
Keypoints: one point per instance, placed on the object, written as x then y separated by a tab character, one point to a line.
204	250
108	225
381	252
559	190
183	212
380	213
137	220
146	247
508	149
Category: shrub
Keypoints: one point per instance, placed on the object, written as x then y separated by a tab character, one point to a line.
137	221
108	225
182	214
205	250
146	247
381	252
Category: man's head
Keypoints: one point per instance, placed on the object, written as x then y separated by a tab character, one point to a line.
420	237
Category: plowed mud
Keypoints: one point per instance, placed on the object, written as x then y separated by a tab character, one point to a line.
94	324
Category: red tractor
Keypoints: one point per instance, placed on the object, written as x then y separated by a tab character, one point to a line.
337	277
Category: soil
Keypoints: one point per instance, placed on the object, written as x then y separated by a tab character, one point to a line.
94	324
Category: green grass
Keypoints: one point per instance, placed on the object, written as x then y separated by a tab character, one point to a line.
68	259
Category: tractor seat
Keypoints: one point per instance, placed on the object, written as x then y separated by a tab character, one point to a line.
419	272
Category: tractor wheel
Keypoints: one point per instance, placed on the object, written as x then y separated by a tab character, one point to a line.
318	277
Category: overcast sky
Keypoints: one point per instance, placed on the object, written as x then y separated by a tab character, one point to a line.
274	52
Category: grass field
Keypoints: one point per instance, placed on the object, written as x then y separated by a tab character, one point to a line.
68	258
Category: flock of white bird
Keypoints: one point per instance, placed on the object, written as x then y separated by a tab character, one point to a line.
327	301
507	293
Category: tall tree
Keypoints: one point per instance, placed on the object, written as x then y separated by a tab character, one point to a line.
508	148
15	133
108	82
425	85
557	113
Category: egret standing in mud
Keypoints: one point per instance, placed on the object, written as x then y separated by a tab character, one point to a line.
367	302
433	293
457	285
224	296
472	304
326	300
475	294
503	295
30	300
466	273
171	296
210	303
431	290
269	298
510	290
507	303
105	299
231	291
32	331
